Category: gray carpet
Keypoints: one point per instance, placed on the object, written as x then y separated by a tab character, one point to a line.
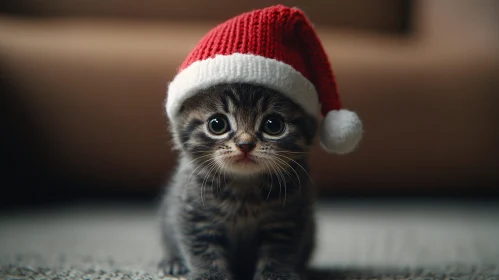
356	241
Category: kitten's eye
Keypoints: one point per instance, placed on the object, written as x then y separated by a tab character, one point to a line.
218	125
273	125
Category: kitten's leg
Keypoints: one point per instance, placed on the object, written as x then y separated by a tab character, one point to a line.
284	247
205	243
173	263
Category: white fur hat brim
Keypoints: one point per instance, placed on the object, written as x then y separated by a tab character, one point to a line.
341	131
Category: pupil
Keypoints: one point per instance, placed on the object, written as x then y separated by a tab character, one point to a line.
217	125
274	125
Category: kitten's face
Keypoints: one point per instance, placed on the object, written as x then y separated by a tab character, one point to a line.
243	129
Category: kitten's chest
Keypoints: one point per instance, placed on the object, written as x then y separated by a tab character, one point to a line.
242	215
242	220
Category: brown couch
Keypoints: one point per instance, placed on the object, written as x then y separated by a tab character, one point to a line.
428	99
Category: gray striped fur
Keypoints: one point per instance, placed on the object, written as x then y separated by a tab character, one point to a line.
227	220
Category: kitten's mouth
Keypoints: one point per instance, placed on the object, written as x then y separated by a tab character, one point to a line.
244	159
243	164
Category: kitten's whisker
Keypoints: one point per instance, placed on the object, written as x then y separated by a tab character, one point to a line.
220	168
208	149
219	182
303	168
281	169
279	176
199	152
200	157
278	162
271	180
202	185
270	163
295	155
213	165
296	173
290	152
204	164
224	170
202	146
210	168
200	165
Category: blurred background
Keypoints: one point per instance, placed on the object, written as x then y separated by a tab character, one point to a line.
83	84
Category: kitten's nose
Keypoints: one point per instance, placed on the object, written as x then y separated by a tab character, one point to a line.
245	147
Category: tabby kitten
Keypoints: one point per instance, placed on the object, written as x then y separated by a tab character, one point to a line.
240	204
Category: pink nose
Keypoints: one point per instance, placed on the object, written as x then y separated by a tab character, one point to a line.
245	147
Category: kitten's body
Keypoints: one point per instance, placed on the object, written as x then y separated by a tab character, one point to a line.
227	219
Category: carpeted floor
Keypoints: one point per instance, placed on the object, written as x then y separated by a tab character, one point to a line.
356	241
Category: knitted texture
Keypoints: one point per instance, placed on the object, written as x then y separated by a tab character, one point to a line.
280	33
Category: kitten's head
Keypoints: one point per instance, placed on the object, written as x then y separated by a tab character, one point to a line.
243	128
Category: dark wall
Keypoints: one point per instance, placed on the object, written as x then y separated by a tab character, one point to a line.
383	16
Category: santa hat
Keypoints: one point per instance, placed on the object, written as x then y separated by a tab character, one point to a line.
278	48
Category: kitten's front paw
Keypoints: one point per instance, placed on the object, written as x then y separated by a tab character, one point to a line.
269	275
173	267
208	275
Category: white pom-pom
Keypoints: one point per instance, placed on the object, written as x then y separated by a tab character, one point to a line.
340	131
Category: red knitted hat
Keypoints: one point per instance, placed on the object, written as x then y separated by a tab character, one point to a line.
275	47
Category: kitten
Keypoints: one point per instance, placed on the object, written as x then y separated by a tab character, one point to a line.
240	204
